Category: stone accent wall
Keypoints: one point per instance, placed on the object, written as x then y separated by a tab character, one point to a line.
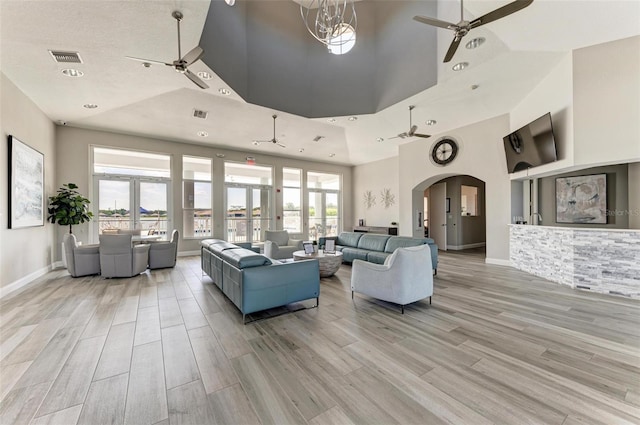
601	260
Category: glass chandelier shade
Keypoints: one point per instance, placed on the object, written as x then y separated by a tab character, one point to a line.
331	22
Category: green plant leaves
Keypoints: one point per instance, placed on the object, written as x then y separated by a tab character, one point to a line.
68	206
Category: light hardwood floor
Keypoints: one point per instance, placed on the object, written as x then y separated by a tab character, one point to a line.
496	346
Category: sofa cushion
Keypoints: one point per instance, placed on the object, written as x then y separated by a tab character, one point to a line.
396	242
281	237
244	258
377	257
349	254
373	242
349	239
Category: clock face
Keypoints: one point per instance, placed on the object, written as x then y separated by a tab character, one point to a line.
444	151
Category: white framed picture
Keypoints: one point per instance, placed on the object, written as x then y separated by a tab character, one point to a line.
330	246
26	200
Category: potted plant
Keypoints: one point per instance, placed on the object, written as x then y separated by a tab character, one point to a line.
69	207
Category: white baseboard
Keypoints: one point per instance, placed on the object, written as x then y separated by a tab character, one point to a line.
468	246
497	261
14	286
188	253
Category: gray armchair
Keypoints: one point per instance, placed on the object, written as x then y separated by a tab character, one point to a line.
405	276
277	244
118	258
163	254
81	260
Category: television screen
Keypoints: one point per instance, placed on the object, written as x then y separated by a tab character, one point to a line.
531	146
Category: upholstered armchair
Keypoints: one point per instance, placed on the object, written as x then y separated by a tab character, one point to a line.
81	260
163	254
118	258
278	245
405	276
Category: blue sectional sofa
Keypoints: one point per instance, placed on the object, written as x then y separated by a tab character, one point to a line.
376	248
254	282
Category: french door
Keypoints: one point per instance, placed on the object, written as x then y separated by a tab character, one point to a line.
248	214
324	213
131	202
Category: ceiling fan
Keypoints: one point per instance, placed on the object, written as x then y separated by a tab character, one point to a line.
274	140
463	27
412	129
183	62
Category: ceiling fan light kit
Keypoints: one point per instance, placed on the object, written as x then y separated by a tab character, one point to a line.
181	64
463	27
412	129
273	140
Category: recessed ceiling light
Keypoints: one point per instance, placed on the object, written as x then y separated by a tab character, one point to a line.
204	75
332	155
202	133
474	86
460	66
352	118
146	64
230	2
379	139
475	43
430	122
70	72
256	143
90	105
220	155
331	120
224	91
301	150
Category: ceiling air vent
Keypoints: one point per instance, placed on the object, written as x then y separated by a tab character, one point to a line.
65	57
197	113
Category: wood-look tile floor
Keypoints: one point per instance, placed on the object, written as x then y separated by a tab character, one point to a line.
496	346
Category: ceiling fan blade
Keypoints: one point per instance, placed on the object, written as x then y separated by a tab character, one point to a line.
193	55
501	12
281	145
148	60
435	22
424	136
452	49
413	130
193	77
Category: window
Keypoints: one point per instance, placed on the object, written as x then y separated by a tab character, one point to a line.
291	200
248	201
132	190
469	200
196	197
324	204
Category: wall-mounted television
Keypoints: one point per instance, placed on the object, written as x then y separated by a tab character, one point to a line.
531	145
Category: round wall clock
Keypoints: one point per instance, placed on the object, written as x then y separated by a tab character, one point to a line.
444	151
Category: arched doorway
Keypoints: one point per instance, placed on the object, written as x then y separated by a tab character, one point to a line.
453	210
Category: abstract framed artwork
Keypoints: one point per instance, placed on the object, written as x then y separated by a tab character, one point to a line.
26	185
582	199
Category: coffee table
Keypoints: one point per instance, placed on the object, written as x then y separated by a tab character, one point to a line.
329	263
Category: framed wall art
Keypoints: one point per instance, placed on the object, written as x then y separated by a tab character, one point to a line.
26	185
582	199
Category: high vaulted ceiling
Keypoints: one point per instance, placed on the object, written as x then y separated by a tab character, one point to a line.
158	102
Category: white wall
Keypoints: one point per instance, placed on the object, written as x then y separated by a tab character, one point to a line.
481	155
554	94
28	252
375	177
606	85
73	152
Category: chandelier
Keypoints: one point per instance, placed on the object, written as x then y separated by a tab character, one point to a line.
331	22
